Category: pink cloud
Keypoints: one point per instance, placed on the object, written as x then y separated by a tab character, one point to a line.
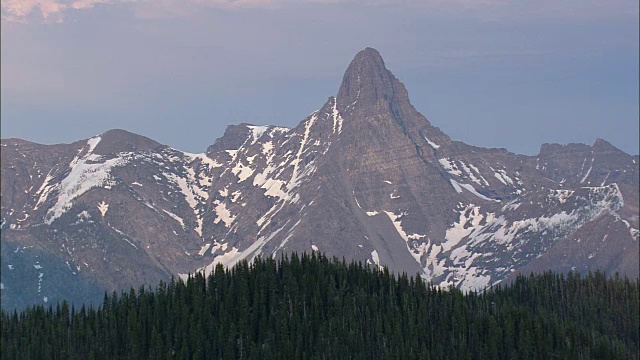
20	10
23	8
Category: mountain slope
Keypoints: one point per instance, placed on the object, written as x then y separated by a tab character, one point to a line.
365	177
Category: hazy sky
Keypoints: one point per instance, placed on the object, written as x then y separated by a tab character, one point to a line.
496	73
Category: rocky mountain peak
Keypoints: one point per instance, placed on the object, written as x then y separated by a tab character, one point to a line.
233	137
118	140
601	145
365	177
368	86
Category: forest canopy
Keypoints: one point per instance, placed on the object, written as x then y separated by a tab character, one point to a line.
311	307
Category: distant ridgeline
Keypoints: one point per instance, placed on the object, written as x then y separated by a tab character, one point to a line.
310	307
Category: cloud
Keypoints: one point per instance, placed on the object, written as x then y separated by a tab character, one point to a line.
20	10
86	4
54	10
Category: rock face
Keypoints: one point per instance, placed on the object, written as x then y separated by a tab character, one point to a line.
365	177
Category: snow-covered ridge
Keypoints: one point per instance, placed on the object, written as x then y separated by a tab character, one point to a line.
85	173
263	160
481	240
472	244
189	174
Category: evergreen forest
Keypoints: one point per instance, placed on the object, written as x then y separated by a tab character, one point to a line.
311	307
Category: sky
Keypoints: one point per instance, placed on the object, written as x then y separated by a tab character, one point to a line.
493	73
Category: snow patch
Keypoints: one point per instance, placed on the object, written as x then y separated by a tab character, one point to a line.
204	249
290	234
44	190
103	207
376	259
501	175
395	219
356	199
337	119
211	163
83	177
267	148
232	153
256	132
450	167
470	214
458	187
561	195
192	194
470	174
175	217
229	259
588	171
223	214
431	143
242	171
295	180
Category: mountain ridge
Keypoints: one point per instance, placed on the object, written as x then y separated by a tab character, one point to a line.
366	177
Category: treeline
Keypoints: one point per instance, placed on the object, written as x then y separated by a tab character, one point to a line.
311	307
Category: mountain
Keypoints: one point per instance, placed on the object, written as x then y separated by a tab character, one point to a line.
365	177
